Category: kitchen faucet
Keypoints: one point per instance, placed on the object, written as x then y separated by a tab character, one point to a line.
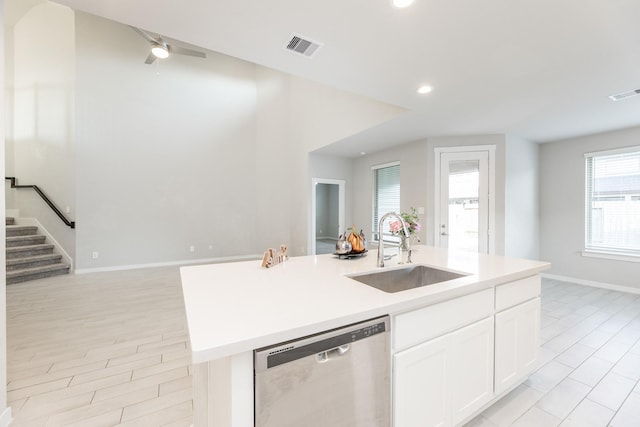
381	240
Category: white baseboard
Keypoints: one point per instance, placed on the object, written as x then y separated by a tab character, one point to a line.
169	264
592	283
5	417
58	247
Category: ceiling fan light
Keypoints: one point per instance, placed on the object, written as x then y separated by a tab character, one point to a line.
160	51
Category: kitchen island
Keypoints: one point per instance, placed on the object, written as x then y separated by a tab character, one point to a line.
235	308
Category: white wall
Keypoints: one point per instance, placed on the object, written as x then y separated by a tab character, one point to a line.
210	153
413	183
417	177
522	199
562	201
165	153
340	168
5	413
40	139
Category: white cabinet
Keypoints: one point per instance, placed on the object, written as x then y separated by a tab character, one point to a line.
517	340
443	381
473	369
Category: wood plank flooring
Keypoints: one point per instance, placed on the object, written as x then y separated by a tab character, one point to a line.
104	349
112	349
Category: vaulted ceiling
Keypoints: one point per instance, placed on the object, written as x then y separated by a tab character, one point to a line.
540	70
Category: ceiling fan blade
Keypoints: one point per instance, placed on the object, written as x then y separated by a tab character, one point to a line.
184	51
150	58
144	34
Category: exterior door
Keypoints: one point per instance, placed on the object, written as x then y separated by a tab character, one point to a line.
463	214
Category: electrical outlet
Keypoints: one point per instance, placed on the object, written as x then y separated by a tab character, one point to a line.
94	255
67	209
192	248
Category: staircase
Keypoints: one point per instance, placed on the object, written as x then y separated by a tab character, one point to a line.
28	256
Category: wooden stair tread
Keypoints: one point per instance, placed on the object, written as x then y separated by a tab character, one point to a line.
41	269
28	257
30	247
34	258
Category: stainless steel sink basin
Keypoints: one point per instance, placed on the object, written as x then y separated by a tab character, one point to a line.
401	279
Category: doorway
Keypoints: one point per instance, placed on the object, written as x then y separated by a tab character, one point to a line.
464	211
327	214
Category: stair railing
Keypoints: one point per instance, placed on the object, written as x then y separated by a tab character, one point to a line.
37	189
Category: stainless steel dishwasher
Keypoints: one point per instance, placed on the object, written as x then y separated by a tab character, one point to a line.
339	378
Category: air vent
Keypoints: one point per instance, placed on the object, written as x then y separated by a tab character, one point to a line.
303	46
624	95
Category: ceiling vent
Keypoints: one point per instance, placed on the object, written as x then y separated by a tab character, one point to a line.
303	46
624	95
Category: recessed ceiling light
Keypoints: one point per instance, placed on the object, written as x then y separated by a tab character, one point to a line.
402	3
424	89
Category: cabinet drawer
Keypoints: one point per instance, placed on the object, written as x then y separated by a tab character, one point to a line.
429	322
514	293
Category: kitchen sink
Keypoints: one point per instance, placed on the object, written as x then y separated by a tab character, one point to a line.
402	279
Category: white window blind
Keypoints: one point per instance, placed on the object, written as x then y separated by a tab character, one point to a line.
386	195
613	202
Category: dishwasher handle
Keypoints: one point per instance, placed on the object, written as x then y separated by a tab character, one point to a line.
334	353
322	347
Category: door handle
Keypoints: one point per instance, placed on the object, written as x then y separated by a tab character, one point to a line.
444	234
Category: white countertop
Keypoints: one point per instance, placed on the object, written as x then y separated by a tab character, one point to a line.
237	307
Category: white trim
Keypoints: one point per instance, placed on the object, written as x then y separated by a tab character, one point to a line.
591	283
385	165
464	148
610	255
58	247
491	149
5	417
612	152
171	263
311	250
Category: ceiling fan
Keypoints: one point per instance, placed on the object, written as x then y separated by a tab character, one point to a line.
161	49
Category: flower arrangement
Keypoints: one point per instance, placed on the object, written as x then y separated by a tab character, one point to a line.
411	220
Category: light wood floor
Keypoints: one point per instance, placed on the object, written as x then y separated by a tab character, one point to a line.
101	349
112	349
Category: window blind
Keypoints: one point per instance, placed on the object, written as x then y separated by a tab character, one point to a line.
613	201
386	195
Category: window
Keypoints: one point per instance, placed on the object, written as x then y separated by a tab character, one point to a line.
613	202
386	196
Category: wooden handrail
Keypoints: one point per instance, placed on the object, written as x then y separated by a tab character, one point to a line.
37	189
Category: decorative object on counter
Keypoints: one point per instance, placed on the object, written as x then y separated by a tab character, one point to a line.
412	224
352	245
343	246
271	257
357	240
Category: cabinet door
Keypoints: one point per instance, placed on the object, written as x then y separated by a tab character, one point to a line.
517	341
472	374
421	381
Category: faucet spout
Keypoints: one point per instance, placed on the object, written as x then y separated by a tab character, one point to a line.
381	240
